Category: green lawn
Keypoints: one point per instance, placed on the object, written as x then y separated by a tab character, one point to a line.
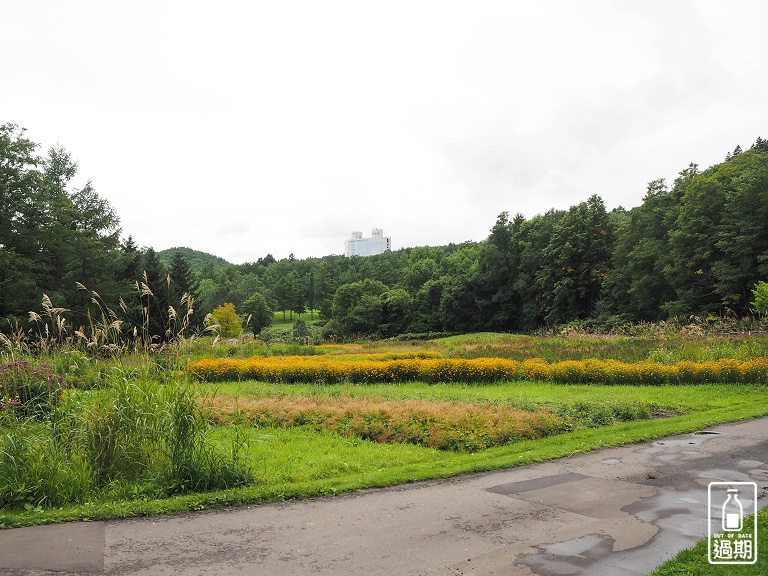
526	395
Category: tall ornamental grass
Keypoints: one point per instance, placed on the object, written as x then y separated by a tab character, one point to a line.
126	429
136	437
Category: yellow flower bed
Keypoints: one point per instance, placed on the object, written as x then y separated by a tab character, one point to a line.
328	370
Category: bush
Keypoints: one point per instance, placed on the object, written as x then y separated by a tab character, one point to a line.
760	303
29	390
422	336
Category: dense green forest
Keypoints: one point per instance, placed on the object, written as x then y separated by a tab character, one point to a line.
697	246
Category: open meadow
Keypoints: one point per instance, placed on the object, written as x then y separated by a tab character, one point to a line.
203	424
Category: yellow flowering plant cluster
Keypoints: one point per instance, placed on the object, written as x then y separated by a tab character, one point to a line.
322	369
457	426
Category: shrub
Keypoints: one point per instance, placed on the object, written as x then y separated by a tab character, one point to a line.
760	293
29	390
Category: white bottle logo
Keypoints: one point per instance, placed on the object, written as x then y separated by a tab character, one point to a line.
732	537
733	512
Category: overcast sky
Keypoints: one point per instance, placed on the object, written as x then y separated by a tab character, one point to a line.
247	128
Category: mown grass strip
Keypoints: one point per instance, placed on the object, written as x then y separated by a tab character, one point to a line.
525	395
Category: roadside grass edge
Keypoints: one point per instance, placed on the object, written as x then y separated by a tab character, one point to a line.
695	560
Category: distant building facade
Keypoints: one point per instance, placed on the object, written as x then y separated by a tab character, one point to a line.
359	246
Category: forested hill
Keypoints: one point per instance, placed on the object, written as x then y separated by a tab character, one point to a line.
196	259
695	246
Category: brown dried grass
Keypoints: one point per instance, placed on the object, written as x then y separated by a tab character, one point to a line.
457	426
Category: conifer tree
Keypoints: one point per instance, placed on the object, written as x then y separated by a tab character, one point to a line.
258	313
183	281
154	287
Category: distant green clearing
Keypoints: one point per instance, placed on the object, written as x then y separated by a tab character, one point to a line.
288	318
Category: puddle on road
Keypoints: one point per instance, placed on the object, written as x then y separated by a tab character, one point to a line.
569	557
723	475
751	463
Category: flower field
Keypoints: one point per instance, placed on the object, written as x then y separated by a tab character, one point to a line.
316	420
456	426
324	369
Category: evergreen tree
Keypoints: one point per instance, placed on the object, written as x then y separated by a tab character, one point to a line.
760	145
493	279
52	235
129	274
154	287
530	283
257	312
458	304
184	283
297	298
19	236
311	302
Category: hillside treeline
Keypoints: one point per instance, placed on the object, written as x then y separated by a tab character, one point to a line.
695	246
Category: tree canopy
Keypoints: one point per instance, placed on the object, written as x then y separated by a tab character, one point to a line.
697	246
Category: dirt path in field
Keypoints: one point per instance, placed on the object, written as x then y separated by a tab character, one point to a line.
618	511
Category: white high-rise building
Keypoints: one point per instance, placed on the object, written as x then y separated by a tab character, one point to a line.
359	246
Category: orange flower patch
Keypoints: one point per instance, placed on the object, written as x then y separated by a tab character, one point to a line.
324	369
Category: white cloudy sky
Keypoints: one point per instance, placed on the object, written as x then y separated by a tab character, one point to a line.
247	128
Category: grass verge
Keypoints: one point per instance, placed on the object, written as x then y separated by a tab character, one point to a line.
694	560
